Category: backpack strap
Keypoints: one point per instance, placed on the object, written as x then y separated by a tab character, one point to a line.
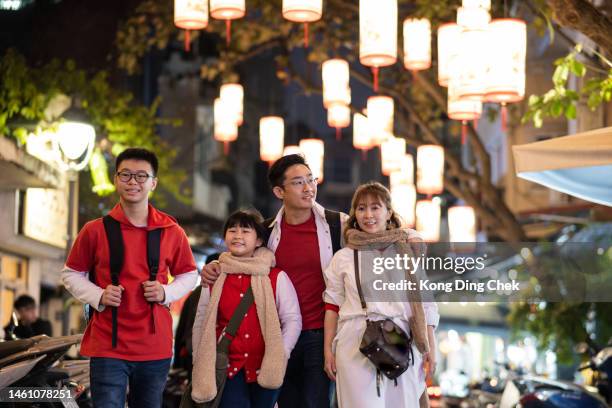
236	320
153	244
335	228
112	228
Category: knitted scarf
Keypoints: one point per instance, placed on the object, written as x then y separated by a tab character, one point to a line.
274	364
405	244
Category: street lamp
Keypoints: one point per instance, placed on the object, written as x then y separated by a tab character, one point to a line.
75	144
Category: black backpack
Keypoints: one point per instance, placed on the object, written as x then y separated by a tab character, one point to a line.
114	237
335	228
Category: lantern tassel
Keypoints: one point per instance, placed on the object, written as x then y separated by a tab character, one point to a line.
306	35
375	75
226	148
187	41
338	134
504	117
463	132
364	155
475	124
228	32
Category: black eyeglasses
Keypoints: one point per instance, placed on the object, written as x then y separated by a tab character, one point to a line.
140	177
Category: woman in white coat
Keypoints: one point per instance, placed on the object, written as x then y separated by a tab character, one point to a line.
374	224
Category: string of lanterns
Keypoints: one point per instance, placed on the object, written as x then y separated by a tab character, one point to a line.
472	64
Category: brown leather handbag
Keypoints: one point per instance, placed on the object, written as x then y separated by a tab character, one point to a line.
384	343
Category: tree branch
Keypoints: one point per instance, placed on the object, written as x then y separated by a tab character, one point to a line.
582	16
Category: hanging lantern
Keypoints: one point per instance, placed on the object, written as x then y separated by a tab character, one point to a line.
303	11
430	169
462	109
271	138
473	18
292	149
505	76
380	118
448	46
338	116
471	65
227	10
361	133
462	224
403	197
377	34
233	94
417	44
225	126
392	152
335	73
428	219
405	173
314	152
190	15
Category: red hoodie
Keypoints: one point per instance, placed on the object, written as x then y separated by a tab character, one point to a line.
139	336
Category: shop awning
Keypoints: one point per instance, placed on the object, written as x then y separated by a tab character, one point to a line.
579	165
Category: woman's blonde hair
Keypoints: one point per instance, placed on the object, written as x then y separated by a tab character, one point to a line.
379	192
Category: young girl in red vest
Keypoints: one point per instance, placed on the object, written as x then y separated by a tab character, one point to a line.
268	332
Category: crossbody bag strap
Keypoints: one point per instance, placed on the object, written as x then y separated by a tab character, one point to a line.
358	280
234	323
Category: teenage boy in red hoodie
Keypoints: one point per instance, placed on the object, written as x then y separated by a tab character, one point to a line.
140	356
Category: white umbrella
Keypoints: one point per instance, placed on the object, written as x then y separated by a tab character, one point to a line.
579	165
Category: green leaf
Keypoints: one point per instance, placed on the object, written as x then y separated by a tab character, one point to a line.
537	119
560	75
556	108
594	100
577	68
570	112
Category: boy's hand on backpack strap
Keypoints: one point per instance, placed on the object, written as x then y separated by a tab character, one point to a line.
153	291
112	295
210	273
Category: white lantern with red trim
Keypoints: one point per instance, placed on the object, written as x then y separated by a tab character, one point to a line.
449	37
338	116
417	44
225	126
485	4
233	94
314	152
377	34
271	138
430	169
473	18
505	71
405	173
471	65
403	197
392	152
292	149
428	219
462	224
190	15
380	117
227	10
302	11
362	139
461	109
335	73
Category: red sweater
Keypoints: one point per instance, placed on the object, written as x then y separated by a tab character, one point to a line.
138	339
247	348
298	255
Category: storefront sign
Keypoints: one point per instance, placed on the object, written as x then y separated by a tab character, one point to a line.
45	215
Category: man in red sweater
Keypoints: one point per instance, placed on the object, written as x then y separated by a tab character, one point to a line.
301	238
141	354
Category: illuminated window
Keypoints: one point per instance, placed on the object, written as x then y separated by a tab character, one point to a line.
13	282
